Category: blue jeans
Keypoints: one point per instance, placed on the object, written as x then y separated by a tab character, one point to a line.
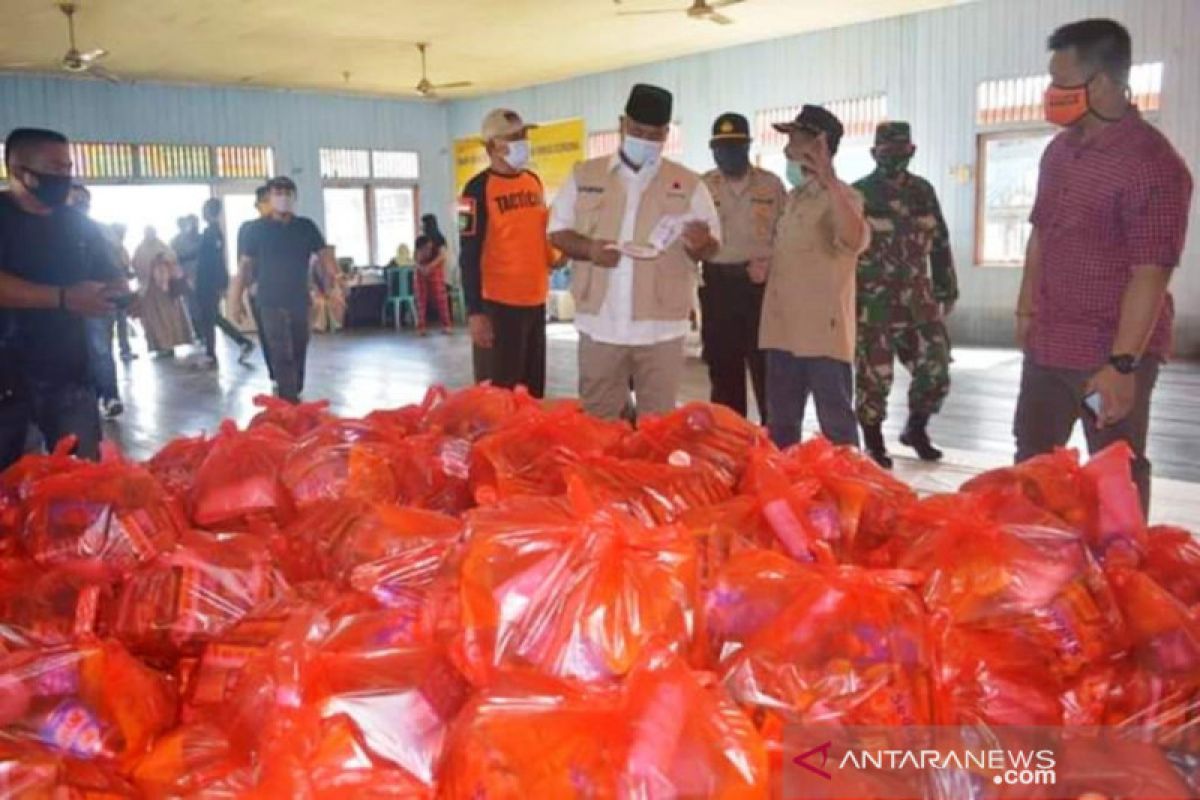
790	379
100	356
57	411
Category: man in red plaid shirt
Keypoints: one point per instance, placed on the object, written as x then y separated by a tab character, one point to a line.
1094	315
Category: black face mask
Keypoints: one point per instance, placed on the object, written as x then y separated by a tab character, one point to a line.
52	191
732	160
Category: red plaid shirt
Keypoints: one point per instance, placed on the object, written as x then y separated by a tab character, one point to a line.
1103	207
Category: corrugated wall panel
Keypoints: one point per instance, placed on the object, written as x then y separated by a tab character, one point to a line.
295	124
929	65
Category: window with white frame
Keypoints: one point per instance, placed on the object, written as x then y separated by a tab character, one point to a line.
1012	135
858	115
371	204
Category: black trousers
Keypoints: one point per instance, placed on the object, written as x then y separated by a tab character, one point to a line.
256	312
518	356
56	410
730	307
209	318
286	332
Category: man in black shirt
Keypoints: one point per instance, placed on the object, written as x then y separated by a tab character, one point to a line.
275	253
212	279
47	248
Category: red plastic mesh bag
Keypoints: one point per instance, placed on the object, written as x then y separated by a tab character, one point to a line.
297	419
713	434
355	684
557	586
239	480
475	412
724	530
667	732
868	503
433	472
39	608
110	516
346	459
1172	558
839	645
193	593
192	759
89	701
406	420
530	454
177	463
30	771
19	479
655	494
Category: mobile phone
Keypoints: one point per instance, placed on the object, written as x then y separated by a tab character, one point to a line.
1093	405
122	301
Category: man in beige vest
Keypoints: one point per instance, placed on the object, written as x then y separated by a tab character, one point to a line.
808	319
635	225
749	201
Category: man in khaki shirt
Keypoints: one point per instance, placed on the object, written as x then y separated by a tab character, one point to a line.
749	201
808	319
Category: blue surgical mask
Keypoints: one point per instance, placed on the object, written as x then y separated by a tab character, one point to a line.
641	152
518	154
796	175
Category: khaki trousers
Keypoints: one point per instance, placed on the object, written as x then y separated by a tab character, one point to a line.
606	372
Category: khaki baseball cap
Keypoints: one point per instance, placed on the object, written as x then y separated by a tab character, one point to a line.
503	122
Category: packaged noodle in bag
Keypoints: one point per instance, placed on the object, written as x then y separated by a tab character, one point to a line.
297	419
40	608
177	463
239	479
193	593
109	516
655	494
88	701
474	412
572	590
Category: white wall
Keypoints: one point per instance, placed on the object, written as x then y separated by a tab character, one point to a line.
929	66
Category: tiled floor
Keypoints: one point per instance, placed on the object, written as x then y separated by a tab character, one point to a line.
362	371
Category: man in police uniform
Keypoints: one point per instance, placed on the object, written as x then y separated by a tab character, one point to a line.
749	201
906	287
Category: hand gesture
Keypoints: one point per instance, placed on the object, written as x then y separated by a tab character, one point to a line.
604	254
819	161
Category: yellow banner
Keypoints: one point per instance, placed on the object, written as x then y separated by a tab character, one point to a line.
556	148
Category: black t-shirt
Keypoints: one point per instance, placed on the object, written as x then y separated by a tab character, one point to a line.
57	249
281	252
211	274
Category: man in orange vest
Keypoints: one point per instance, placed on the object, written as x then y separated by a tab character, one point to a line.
506	259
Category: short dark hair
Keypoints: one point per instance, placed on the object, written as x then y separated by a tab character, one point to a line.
1104	44
261	193
212	207
21	140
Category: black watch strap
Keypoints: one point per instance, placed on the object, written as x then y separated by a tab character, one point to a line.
1124	364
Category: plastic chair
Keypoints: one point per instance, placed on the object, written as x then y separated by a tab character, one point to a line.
399	296
458	304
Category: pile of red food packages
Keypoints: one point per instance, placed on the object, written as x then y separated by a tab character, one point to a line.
484	596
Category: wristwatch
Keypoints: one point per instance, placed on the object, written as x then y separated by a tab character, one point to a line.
1124	364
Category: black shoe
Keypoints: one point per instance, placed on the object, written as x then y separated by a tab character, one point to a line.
875	446
917	437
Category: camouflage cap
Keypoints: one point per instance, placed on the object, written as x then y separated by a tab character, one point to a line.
893	133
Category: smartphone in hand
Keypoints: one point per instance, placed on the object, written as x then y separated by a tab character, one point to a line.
1093	406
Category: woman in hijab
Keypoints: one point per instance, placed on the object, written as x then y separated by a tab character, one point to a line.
161	284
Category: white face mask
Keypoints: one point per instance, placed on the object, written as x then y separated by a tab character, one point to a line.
283	203
518	154
641	152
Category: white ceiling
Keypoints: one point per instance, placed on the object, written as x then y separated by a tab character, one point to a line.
368	45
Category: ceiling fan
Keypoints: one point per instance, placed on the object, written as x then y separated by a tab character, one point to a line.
78	62
698	10
427	88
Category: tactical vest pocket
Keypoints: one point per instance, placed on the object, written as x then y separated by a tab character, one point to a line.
674	286
581	282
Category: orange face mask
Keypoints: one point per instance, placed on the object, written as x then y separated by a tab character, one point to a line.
1066	105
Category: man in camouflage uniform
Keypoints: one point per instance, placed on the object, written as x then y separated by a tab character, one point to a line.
906	287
